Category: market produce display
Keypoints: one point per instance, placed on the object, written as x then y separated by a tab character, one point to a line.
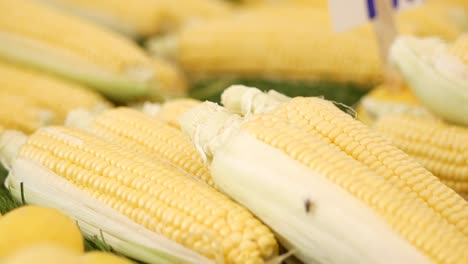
232	132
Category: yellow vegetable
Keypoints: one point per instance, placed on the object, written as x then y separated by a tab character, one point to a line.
322	119
263	43
29	225
77	50
314	163
142	18
48	92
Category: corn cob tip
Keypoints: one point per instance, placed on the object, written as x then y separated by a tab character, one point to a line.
245	100
80	118
234	96
278	96
10	143
206	124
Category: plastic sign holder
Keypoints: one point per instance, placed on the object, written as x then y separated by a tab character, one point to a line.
347	14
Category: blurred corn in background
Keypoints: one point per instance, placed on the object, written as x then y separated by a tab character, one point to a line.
142	18
78	50
290	47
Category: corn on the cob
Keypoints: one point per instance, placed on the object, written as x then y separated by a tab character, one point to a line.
134	18
140	18
75	49
436	73
171	110
322	119
47	92
159	199
382	101
275	168
440	148
263	43
17	112
150	136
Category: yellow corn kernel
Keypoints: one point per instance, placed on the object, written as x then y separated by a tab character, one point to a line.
152	194
321	118
440	148
47	92
171	110
152	137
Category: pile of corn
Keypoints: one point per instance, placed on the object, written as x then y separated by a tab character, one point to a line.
214	131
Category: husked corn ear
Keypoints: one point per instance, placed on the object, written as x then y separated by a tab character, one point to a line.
47	92
141	17
357	140
440	148
17	112
322	119
311	174
346	173
153	194
171	110
135	18
150	136
75	49
262	42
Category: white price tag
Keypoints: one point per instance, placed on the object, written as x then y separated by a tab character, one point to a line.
347	14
